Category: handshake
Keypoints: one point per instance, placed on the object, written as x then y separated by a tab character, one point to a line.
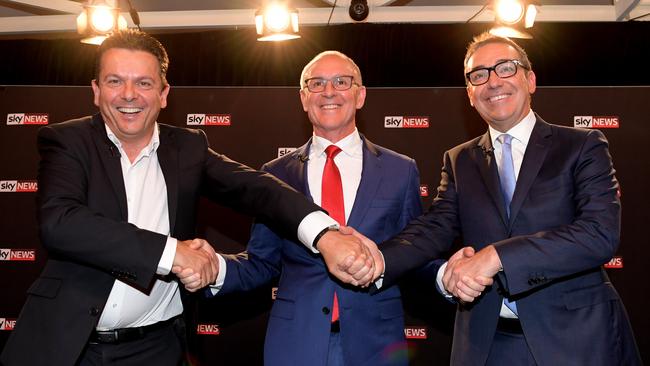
360	263
195	264
348	255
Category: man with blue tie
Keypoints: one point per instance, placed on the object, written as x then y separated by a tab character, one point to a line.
538	205
316	320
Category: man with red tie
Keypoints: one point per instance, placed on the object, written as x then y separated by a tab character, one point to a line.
315	319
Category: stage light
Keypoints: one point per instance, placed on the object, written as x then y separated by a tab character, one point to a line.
512	17
276	22
98	20
509	11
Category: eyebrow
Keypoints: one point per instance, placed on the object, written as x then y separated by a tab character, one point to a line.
485	67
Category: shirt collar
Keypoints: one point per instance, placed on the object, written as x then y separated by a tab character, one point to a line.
350	145
521	131
147	150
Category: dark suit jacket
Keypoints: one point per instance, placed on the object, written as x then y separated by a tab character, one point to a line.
564	225
83	223
299	327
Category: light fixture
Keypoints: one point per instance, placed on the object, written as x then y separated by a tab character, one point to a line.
276	22
512	17
98	20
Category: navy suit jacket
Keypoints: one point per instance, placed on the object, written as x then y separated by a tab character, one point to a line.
82	210
564	225
299	327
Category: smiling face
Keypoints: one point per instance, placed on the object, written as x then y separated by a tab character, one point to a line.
130	93
332	112
502	103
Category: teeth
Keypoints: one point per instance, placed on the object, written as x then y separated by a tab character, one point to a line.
497	97
129	110
330	106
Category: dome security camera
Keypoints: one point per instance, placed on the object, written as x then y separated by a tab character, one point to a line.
359	10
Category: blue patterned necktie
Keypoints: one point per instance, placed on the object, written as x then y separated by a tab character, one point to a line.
508	182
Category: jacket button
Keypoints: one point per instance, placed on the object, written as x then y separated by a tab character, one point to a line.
326	310
94	311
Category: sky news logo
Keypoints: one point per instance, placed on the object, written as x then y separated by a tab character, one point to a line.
424	190
16	119
415	332
208	329
406	122
596	121
282	151
616	262
18	186
18	255
7	324
208	119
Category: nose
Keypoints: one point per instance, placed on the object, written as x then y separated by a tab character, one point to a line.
128	91
329	89
494	80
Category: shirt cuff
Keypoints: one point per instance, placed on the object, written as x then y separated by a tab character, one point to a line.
167	259
221	276
380	281
439	285
311	226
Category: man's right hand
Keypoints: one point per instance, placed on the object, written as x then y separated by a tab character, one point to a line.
347	258
195	263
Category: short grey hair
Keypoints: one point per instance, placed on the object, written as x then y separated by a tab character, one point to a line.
311	63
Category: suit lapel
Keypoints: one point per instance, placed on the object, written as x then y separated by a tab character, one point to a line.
297	170
538	145
484	157
168	159
109	156
371	177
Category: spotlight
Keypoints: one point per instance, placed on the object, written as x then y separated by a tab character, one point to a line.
276	22
512	17
509	11
98	20
359	10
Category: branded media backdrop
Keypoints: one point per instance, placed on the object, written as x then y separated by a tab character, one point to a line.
254	125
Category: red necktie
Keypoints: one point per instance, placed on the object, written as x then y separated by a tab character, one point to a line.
332	200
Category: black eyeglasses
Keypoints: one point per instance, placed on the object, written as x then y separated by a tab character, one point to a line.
340	83
503	69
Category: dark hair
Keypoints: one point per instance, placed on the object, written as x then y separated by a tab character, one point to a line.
135	40
487	38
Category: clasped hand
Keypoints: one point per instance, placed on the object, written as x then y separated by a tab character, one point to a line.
468	273
195	264
351	257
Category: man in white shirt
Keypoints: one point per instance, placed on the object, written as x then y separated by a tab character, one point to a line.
539	205
117	204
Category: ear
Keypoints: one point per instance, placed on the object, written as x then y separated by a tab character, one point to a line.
470	94
163	96
96	91
361	97
532	82
303	98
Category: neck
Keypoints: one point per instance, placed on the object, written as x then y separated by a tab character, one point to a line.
334	136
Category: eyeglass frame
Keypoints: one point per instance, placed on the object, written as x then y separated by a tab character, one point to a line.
494	69
352	82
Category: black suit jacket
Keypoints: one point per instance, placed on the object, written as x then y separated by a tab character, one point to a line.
564	225
83	223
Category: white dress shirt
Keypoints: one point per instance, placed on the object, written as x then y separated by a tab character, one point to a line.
146	195
520	136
